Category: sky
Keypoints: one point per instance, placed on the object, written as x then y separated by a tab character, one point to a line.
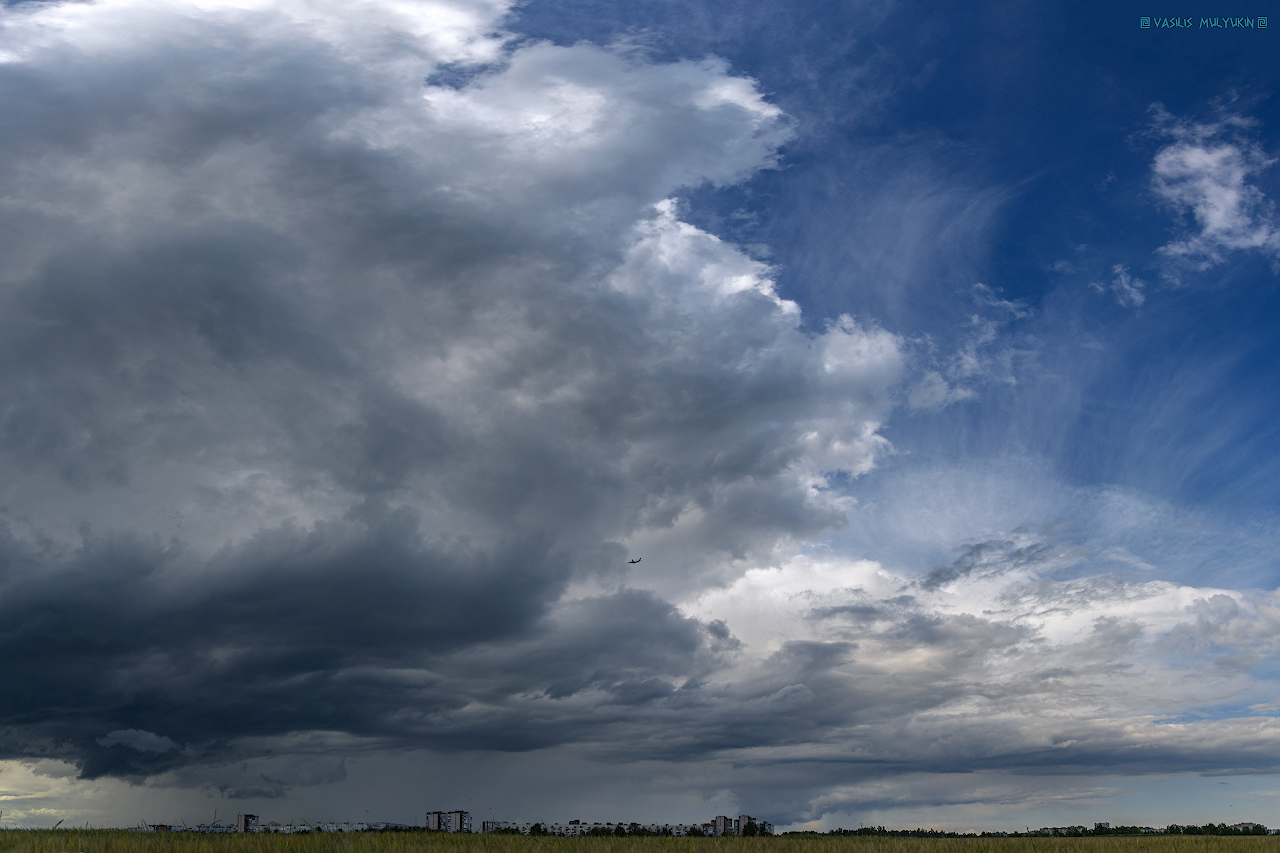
839	413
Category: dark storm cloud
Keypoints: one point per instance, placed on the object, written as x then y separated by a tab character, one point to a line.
322	386
362	628
335	404
271	639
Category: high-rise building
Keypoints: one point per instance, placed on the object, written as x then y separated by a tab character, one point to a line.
763	827
455	821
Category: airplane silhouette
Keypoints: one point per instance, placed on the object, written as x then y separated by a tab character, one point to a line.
636	560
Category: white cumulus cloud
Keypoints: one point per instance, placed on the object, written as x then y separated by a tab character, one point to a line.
1206	171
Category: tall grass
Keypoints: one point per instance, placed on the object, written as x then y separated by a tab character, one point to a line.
119	841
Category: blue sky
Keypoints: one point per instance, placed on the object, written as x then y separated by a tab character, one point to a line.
1012	144
922	354
995	142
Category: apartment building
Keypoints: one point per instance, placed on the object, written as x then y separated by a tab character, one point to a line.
455	821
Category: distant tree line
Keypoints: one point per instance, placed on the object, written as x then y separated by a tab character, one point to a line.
633	830
881	831
1211	829
1099	829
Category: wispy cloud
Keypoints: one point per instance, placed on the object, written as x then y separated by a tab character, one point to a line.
1128	291
985	354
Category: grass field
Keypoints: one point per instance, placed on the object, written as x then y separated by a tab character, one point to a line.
119	841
